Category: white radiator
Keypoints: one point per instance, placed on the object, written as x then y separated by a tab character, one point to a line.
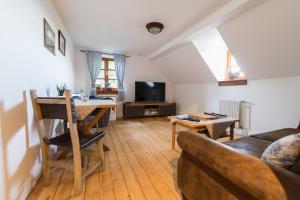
240	110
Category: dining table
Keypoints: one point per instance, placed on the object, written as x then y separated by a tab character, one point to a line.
84	108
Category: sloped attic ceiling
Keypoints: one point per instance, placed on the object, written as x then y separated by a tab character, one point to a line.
266	40
184	65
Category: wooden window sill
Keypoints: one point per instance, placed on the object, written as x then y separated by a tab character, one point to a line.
107	91
233	82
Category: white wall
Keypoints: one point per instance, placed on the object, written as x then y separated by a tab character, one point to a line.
137	69
82	77
26	64
275	101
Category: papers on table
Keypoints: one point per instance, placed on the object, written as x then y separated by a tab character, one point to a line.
182	116
94	102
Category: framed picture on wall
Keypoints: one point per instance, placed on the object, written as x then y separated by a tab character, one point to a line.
61	43
49	37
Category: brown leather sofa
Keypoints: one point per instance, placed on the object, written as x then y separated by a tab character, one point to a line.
210	170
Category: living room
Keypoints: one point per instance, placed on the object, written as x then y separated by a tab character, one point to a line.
150	99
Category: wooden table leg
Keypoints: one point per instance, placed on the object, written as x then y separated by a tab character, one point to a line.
173	135
97	117
232	131
86	127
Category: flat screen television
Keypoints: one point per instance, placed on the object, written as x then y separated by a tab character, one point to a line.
150	91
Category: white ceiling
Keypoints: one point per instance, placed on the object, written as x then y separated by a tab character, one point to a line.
119	25
185	65
264	41
262	36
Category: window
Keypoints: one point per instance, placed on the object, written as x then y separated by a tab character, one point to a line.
233	71
218	57
107	77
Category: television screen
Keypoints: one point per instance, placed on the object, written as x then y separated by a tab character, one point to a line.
150	91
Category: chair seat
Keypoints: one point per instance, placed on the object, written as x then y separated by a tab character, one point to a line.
85	140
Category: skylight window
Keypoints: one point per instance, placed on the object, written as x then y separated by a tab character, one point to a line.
218	57
233	69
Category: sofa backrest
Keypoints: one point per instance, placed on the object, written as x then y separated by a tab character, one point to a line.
246	173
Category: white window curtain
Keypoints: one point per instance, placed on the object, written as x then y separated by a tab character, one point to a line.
120	70
94	61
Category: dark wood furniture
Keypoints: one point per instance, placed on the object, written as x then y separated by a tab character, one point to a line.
144	109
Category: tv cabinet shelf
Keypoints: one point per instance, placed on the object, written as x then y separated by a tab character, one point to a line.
144	109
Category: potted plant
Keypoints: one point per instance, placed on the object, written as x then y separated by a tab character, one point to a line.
61	89
107	86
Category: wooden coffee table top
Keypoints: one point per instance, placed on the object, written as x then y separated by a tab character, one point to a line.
204	121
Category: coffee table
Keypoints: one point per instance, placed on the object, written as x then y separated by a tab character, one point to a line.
203	125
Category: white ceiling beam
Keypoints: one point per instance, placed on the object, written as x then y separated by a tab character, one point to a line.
211	19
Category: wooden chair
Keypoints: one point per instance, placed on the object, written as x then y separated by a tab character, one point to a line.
71	140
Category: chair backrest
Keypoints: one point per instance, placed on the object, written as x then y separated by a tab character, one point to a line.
55	108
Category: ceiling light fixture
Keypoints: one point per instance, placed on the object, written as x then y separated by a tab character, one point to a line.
155	27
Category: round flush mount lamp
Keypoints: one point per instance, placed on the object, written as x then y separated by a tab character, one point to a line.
155	27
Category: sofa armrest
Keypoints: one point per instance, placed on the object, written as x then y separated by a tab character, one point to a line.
247	173
290	181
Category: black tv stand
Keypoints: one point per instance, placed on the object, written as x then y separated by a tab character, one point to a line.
146	109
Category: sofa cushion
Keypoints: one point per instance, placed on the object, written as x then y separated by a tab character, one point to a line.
284	152
276	135
249	145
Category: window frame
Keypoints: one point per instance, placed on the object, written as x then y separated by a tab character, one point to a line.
228	81
106	72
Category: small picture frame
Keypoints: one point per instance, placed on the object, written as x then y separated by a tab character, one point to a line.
61	43
49	37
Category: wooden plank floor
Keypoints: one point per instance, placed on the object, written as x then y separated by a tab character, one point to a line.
140	165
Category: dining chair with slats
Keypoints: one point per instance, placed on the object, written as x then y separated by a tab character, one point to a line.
72	139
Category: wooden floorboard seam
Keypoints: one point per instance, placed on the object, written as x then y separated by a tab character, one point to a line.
137	159
140	165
